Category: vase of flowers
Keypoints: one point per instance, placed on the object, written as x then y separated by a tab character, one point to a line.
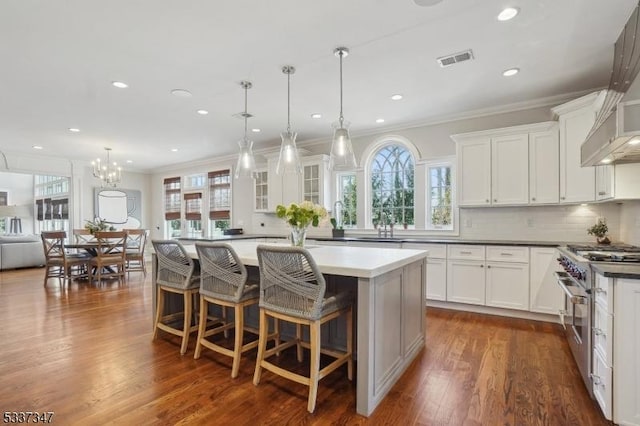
98	224
299	217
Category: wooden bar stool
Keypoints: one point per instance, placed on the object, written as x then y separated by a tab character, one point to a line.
223	282
176	273
293	289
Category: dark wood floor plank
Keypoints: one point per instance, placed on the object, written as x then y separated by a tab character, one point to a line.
85	352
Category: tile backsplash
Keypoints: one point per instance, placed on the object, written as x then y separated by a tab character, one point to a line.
630	222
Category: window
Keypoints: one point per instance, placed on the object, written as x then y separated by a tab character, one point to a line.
193	213
347	194
262	191
52	202
172	206
219	200
392	186
440	195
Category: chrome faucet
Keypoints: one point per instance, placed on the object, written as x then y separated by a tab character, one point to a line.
387	233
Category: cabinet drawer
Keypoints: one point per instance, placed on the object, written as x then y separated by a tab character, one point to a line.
508	254
455	251
604	292
436	251
601	380
603	334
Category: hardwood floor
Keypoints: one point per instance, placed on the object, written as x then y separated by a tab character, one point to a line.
85	353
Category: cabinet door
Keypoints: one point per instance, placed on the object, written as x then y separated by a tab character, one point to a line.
311	183
465	282
474	172
261	191
544	167
626	357
545	295
436	285
510	169
577	183
605	181
508	285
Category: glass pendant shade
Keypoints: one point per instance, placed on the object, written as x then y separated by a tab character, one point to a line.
342	157
246	165
288	162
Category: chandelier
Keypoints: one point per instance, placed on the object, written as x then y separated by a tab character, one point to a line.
109	173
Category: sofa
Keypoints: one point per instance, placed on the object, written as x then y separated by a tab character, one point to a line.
21	251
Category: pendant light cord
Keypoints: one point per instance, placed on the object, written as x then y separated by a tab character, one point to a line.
341	117
245	111
288	102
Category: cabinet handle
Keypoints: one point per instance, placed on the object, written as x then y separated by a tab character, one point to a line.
488	266
495	200
562	198
602	193
465	252
600	290
506	254
487	201
598	332
482	266
597	381
533	199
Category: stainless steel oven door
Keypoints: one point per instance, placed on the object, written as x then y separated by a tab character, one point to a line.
577	322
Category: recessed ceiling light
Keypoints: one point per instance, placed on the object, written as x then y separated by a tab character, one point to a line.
634	141
426	2
584	204
202	112
510	72
316	115
74	129
174	149
129	161
508	13
396	97
36	147
256	130
181	93
119	84
380	120
605	160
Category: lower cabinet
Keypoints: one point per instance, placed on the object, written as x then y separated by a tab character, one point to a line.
465	281
436	279
507	285
545	296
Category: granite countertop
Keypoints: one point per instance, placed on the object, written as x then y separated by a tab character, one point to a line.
617	270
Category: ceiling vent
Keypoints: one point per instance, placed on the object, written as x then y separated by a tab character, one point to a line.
448	60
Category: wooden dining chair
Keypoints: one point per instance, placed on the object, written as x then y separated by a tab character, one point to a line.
293	289
136	242
82	235
110	257
177	273
58	263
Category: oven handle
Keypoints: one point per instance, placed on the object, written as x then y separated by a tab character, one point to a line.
576	299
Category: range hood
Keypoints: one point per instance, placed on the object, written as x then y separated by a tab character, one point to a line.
615	136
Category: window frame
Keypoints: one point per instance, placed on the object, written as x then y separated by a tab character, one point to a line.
449	161
340	196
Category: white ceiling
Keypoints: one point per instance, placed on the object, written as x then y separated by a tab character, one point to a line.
60	57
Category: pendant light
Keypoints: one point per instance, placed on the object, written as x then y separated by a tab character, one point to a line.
289	161
342	157
246	165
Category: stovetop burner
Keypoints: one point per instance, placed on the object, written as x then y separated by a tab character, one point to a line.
607	253
599	256
625	248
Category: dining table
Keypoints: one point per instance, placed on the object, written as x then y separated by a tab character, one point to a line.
390	308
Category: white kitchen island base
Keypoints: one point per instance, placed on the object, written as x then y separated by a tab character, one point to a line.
390	322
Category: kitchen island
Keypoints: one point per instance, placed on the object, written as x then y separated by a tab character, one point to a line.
390	321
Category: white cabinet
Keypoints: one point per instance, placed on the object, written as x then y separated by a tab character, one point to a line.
436	273
510	169
465	281
545	296
544	167
507	277
605	182
261	191
626	356
494	165
576	118
313	184
474	172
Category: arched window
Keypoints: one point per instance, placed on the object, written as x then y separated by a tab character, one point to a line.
392	185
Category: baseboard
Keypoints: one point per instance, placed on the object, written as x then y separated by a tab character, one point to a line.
494	311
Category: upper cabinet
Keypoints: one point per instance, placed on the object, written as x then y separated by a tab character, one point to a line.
495	167
314	184
576	118
544	167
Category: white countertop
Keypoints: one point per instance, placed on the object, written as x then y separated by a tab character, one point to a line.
361	262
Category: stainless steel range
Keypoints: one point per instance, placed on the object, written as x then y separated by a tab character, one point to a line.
577	283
